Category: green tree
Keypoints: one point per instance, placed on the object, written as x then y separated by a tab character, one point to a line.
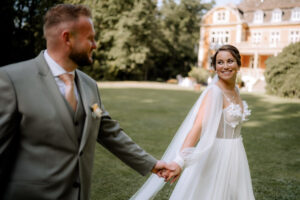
180	26
283	72
22	28
138	41
135	39
133	45
106	16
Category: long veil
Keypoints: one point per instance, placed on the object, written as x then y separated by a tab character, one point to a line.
212	94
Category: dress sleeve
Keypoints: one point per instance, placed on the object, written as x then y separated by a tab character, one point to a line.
210	112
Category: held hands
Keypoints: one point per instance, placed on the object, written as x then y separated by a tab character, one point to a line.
169	171
172	173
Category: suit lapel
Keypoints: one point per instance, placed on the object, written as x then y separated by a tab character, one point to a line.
85	102
50	85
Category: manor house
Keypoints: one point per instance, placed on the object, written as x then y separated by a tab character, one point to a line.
258	28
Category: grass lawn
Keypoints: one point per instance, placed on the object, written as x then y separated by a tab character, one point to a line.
151	117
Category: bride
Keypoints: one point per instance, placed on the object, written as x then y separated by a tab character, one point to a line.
208	147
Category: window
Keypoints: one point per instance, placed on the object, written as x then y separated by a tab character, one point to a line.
258	16
294	36
274	38
276	15
219	37
256	37
295	14
221	16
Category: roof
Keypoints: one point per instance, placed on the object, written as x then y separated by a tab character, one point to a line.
248	7
252	5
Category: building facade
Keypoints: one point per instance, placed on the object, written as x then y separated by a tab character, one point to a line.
258	28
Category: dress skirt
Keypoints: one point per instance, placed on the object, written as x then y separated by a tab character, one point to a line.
221	174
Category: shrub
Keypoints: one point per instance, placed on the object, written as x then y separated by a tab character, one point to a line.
283	72
239	80
199	74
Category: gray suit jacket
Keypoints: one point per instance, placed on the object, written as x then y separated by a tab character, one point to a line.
40	156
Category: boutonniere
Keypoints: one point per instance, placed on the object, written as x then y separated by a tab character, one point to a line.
96	111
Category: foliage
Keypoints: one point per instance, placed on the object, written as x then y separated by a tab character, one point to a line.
180	27
139	41
283	72
135	39
239	80
151	117
200	75
22	28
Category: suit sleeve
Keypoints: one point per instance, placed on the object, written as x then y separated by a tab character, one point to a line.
8	126
113	138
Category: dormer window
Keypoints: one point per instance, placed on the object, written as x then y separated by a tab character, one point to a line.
221	16
258	17
295	14
276	15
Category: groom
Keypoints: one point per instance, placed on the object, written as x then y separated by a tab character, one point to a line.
51	116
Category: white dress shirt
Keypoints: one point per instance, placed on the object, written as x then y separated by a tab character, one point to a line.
57	70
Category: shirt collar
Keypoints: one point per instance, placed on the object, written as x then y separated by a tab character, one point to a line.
55	68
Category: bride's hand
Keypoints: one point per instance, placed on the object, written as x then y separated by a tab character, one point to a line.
173	172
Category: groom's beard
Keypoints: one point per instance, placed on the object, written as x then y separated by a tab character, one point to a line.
81	58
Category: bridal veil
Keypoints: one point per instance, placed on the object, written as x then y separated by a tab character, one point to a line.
210	103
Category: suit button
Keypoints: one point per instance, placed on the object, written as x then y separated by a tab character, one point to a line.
76	185
81	152
76	123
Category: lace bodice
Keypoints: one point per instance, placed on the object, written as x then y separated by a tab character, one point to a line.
231	120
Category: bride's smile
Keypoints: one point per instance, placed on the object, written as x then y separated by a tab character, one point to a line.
226	66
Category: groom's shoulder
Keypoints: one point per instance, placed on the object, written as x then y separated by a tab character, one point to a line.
18	67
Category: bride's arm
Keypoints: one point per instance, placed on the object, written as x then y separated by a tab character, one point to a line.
194	135
190	141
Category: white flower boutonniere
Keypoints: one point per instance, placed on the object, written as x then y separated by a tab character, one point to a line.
96	111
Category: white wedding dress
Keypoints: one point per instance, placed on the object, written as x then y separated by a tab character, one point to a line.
217	168
224	173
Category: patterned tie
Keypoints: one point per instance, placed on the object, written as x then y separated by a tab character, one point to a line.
68	79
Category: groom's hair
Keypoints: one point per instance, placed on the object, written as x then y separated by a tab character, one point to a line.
64	13
233	51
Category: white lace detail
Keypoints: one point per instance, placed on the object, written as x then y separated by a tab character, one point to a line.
247	111
236	115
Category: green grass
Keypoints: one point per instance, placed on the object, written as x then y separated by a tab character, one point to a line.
151	117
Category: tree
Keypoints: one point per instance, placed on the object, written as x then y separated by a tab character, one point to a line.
135	39
132	49
106	16
139	41
22	28
180	26
283	72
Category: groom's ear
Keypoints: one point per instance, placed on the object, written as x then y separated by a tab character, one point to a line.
66	37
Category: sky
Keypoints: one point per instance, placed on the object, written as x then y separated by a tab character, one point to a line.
224	2
218	2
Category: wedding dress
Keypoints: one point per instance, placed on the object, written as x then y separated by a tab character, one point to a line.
217	167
